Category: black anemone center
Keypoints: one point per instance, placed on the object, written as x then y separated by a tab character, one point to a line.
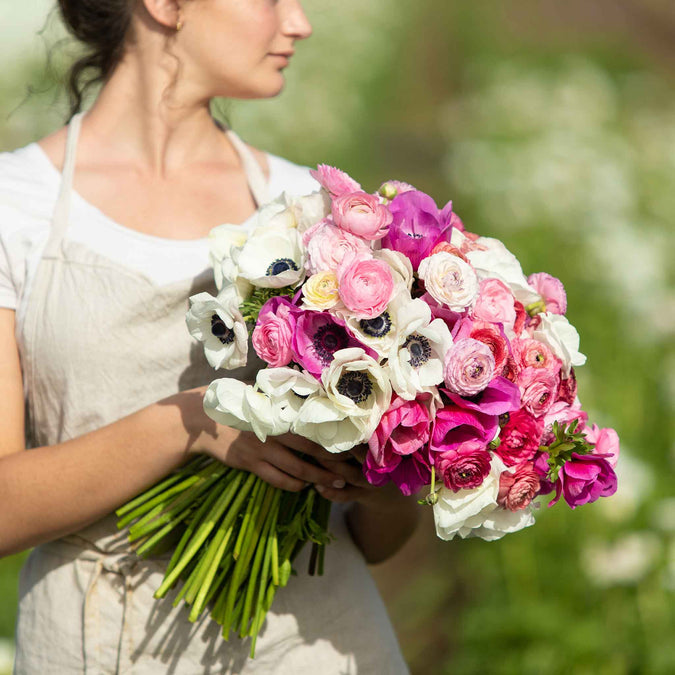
329	339
355	385
419	349
221	331
281	265
377	327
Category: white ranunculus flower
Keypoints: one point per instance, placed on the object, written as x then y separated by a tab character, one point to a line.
400	265
416	366
218	323
237	405
287	388
310	209
381	333
459	513
358	387
449	280
497	262
561	336
502	521
271	259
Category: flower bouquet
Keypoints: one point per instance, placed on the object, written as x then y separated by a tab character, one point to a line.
378	319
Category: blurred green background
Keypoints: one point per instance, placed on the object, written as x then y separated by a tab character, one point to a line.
552	127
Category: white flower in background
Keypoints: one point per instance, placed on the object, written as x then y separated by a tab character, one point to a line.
449	280
219	325
663	514
384	332
271	259
417	365
7	651
287	388
636	483
238	405
497	262
623	563
561	336
400	265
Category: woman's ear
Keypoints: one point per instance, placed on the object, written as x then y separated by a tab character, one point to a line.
166	13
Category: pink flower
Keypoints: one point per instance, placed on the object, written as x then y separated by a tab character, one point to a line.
490	335
518	489
499	397
495	303
447	247
520	437
469	367
538	389
397	449
362	215
551	290
464	469
273	332
521	317
606	443
365	286
454	427
532	353
327	245
567	391
334	181
584	479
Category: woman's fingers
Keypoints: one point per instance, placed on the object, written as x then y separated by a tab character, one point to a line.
349	470
351	493
360	451
290	463
278	478
305	446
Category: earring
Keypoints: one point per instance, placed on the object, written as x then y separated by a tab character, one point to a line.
179	25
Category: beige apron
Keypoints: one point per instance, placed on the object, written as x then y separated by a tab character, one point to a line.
99	341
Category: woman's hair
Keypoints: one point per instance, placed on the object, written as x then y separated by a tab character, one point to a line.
102	27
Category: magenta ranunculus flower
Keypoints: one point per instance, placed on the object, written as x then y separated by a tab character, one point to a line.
464	469
362	214
584	479
418	225
327	246
454	427
567	391
495	303
499	397
520	437
365	286
606	443
273	333
538	389
551	290
518	489
334	181
318	335
469	367
397	449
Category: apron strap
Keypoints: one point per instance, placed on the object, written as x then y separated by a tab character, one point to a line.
256	178
62	209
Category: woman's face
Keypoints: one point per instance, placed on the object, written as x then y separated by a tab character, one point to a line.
238	48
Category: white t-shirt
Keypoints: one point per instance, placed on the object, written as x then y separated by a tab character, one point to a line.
29	186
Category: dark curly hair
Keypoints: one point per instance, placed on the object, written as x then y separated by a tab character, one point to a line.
102	27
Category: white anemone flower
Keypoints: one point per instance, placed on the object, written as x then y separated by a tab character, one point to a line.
400	265
223	241
219	325
274	216
287	388
382	333
271	259
416	366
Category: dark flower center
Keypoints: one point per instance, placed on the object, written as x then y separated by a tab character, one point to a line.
281	265
329	339
221	331
419	349
355	385
377	327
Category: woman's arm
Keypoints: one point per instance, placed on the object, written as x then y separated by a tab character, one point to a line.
48	492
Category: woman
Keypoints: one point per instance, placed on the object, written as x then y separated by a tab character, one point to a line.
92	338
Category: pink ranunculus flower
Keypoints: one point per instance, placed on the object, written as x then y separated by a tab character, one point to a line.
538	389
533	353
520	437
606	443
334	181
465	468
273	333
327	245
447	247
518	489
495	303
584	479
521	317
567	391
494	338
365	285
362	215
551	290
469	367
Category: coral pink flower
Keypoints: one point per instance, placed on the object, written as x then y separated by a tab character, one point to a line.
520	437
334	181
521	317
518	489
532	353
551	290
447	247
490	335
362	215
606	443
510	370
327	245
495	303
469	367
538	389
465	468
365	286
273	333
